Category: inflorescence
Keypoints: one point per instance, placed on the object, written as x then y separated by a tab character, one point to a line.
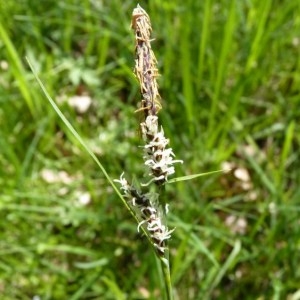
158	159
148	211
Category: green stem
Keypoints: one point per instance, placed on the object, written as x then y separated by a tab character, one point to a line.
167	276
165	260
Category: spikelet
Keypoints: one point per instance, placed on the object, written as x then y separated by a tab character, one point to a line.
148	211
145	62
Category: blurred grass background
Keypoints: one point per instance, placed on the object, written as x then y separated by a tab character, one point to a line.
230	86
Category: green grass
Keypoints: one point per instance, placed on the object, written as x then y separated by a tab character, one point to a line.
230	82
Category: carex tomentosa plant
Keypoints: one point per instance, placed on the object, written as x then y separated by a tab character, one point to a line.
149	205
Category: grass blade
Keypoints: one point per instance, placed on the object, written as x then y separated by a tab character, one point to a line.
86	148
18	71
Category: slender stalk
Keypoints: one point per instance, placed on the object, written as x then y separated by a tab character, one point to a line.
167	276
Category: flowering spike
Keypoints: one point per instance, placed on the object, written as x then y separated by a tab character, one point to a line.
148	212
145	68
158	158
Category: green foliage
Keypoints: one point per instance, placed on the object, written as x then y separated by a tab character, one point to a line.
230	88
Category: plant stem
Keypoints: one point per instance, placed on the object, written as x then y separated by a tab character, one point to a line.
167	276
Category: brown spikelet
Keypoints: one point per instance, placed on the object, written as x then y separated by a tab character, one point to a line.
145	62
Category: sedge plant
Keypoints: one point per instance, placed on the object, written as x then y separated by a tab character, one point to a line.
146	201
149	204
